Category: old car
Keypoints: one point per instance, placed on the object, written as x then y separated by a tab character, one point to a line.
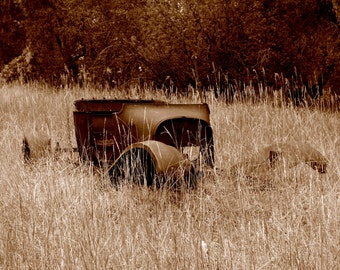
154	143
149	142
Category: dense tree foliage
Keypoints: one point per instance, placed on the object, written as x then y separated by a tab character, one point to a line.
12	31
173	43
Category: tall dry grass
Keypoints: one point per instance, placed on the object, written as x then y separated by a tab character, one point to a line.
60	214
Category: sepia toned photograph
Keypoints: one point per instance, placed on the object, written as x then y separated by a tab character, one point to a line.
170	134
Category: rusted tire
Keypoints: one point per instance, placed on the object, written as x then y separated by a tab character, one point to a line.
135	166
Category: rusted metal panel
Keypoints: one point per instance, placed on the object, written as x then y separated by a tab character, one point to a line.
281	156
108	131
151	162
149	117
164	156
109	105
104	128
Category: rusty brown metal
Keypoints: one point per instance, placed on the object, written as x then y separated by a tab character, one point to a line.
107	129
152	162
281	155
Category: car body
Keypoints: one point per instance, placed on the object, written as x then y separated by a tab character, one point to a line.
110	130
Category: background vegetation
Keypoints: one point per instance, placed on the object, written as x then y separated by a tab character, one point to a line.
218	45
61	214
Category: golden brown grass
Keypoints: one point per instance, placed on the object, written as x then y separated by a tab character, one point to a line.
60	214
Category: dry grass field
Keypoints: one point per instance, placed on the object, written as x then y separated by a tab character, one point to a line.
62	214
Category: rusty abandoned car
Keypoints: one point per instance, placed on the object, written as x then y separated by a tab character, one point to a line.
148	142
154	143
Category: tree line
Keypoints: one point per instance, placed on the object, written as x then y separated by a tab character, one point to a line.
208	44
